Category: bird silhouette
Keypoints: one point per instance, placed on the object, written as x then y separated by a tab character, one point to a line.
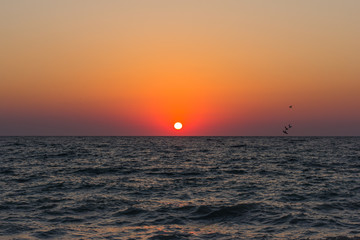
288	126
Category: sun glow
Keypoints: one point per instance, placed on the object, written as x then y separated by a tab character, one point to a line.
178	126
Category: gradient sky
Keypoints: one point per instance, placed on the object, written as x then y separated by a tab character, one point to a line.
226	67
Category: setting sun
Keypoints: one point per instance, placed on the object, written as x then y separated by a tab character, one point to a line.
178	126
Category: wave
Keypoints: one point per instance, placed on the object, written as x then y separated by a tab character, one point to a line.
239	146
53	233
212	213
101	170
131	211
166	236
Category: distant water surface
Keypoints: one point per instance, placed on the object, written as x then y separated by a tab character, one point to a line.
179	187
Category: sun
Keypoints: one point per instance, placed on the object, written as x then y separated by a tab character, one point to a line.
178	125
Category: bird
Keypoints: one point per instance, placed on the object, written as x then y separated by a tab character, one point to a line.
286	128
285	132
290	126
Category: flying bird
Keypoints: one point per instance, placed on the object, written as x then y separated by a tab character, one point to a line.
288	126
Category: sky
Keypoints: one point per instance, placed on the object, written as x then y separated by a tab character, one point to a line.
220	67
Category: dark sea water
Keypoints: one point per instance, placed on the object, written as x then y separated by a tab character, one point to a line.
180	188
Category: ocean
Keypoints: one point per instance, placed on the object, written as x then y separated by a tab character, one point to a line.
180	188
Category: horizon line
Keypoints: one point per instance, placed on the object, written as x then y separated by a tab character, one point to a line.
179	136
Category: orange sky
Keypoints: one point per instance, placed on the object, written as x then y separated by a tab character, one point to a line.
220	67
